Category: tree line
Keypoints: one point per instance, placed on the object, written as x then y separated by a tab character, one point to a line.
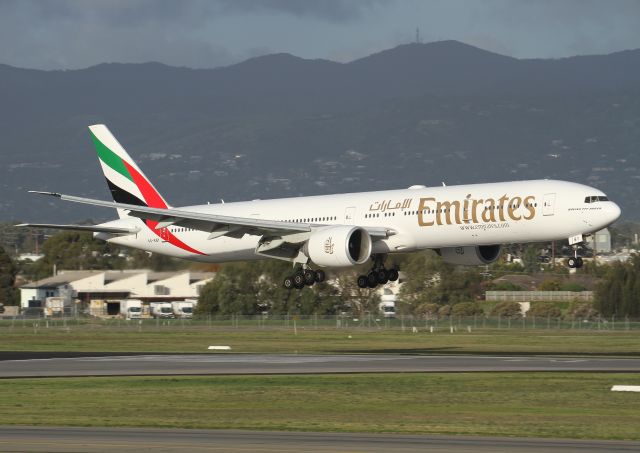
431	287
618	294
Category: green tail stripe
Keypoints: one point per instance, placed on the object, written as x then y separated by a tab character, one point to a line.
110	158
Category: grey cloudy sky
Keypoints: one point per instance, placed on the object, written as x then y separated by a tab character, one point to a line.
69	34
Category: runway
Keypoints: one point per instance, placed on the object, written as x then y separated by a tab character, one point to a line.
37	439
14	365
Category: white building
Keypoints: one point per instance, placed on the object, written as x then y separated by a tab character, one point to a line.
87	286
600	241
30	257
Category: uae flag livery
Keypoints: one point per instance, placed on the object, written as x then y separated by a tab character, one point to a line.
127	182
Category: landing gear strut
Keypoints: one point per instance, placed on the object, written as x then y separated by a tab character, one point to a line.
378	274
304	277
575	262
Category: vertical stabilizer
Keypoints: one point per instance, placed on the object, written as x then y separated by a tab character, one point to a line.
127	183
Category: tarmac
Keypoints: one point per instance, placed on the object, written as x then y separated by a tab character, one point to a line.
57	439
64	439
22	365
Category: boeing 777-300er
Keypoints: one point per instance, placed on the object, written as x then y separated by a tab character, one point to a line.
465	224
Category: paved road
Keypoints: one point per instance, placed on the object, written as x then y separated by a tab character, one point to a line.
203	364
37	439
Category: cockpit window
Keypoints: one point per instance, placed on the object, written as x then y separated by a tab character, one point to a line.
595	198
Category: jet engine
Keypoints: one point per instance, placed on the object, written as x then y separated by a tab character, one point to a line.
471	255
338	246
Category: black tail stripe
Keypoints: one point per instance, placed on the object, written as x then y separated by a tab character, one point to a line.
122	196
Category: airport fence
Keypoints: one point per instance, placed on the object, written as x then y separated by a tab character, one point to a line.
327	322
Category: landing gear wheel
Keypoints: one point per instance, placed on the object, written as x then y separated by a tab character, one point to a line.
288	283
393	275
363	282
320	276
382	276
579	262
572	262
298	280
372	280
309	277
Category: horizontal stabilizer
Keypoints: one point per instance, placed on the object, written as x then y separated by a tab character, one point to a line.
92	228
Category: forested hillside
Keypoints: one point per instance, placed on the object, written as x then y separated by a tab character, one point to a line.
279	125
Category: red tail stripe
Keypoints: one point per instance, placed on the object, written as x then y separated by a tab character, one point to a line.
151	196
167	235
154	200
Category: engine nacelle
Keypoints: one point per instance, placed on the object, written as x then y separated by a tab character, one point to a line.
339	246
471	255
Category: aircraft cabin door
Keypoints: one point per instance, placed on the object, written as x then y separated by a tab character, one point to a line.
350	215
548	203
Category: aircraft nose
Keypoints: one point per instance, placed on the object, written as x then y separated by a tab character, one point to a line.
614	212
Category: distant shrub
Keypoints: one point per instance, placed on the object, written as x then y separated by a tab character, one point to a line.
544	310
549	285
427	310
466	309
572	286
505	286
582	310
507	309
444	311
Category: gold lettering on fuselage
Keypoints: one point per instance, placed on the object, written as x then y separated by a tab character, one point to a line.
389	205
423	207
528	205
488	215
514	204
474	207
444	208
482	210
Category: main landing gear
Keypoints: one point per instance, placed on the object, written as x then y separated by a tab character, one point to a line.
304	277
378	275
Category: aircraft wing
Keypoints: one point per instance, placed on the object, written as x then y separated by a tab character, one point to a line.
92	228
216	225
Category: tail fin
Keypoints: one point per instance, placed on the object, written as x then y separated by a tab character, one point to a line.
126	181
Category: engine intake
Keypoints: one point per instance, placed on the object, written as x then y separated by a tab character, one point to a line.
471	255
339	246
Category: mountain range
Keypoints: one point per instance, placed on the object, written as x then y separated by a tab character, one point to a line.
279	125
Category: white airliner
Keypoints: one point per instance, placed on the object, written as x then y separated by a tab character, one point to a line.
465	224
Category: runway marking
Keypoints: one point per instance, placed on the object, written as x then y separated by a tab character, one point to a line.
625	388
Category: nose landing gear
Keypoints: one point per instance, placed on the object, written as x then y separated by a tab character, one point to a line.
575	262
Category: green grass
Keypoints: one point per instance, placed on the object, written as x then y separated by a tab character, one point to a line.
97	338
563	405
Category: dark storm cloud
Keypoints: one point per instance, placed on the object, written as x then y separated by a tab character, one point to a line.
71	34
568	27
76	33
208	33
333	10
